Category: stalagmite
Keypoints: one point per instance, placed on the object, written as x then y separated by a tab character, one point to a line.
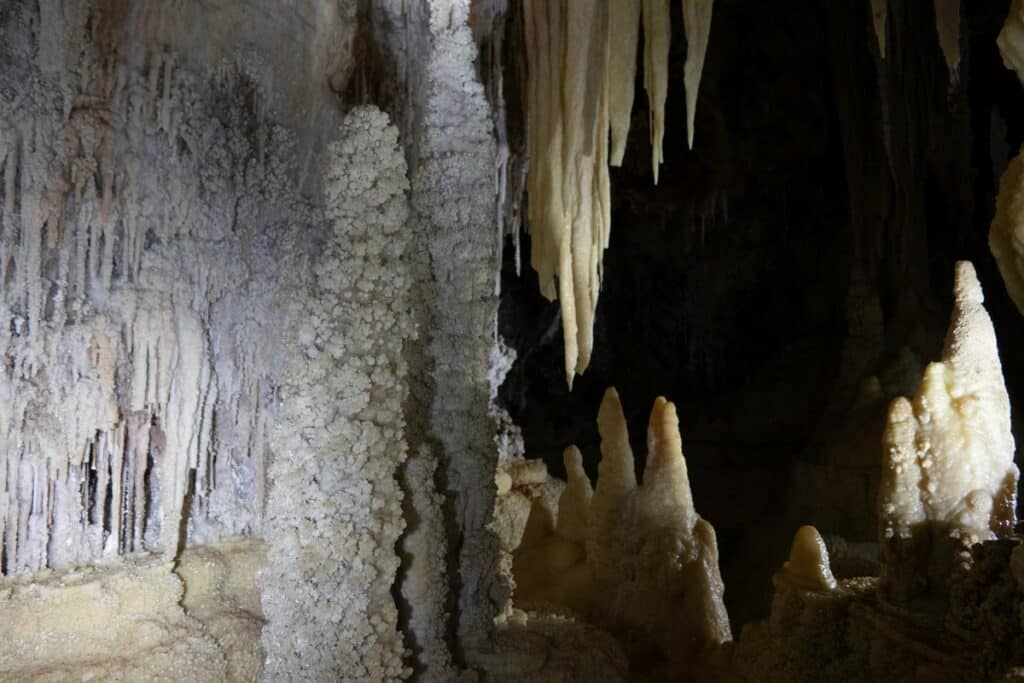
879	17
948	480
808	565
697	18
624	35
616	479
574	503
647	563
657	37
947	24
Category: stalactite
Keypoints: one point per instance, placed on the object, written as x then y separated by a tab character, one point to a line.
697	18
879	19
947	25
624	35
657	37
568	185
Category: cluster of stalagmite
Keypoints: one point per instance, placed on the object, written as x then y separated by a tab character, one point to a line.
634	558
581	57
948	477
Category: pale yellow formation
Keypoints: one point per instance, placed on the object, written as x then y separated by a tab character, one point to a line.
879	16
568	184
581	58
657	37
808	566
1011	39
948	478
947	23
1006	236
137	619
623	35
646	563
697	18
574	503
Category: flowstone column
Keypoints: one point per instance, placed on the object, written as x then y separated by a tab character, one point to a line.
334	511
454	198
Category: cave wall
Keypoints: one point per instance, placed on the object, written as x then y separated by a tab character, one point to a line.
248	271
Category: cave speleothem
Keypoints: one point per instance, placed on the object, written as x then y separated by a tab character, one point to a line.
511	340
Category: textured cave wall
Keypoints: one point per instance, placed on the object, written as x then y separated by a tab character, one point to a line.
200	338
142	202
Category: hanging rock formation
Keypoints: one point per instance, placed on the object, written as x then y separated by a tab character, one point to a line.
947	25
624	35
697	17
879	20
657	38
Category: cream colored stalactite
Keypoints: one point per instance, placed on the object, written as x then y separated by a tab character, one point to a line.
657	38
948	478
879	19
623	36
568	53
947	24
697	19
544	34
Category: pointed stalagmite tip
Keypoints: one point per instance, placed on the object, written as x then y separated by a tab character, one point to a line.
574	503
573	460
609	415
966	288
808	565
900	410
663	431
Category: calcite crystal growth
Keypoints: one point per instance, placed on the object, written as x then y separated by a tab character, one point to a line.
948	477
334	512
634	558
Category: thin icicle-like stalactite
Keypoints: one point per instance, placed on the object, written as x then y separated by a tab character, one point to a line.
569	192
624	36
657	37
581	59
947	23
879	18
697	17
